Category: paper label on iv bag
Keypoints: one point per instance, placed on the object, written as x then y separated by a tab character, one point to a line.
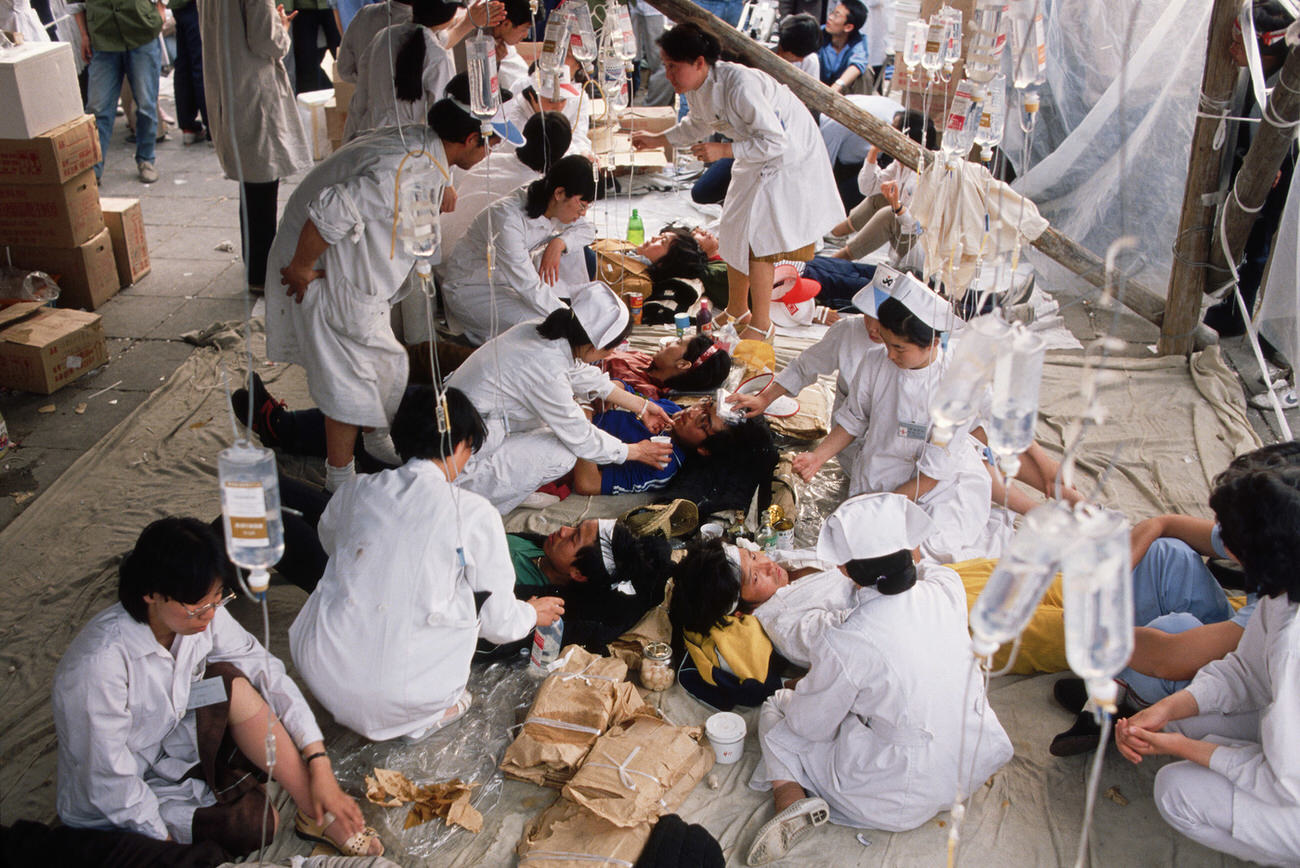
245	507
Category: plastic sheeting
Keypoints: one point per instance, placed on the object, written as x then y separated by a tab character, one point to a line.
1278	318
1109	154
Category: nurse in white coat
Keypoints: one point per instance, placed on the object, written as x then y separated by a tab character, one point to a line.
782	197
527	384
544	221
337	253
871	736
889	413
386	639
1238	787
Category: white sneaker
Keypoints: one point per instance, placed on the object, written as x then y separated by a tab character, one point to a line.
1287	399
148	174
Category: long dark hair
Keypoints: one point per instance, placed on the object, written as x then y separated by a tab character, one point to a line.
573	174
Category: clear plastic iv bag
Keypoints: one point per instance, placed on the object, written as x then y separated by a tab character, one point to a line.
555	42
627	48
1017	375
481	63
960	393
914	43
1098	601
994	117
987	40
952	36
250	510
419	201
963	121
582	35
936	31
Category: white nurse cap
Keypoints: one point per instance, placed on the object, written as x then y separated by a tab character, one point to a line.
601	313
872	526
925	304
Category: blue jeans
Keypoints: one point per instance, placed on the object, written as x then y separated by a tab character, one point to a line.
840	279
1171	577
728	10
140	66
711	187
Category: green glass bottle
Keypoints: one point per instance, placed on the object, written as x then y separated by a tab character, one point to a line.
635	229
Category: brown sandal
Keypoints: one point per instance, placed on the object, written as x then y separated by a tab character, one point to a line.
357	845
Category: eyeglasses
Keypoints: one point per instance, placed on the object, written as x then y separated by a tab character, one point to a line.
210	607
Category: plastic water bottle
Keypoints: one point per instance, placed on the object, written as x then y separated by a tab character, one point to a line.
1021	577
704	322
994	117
963	121
555	41
635	229
1098	601
546	648
250	510
959	395
1017	374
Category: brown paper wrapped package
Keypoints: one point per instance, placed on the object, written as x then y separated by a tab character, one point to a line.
631	768
574	705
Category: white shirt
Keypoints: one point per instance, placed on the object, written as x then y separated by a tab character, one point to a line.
1262	675
374	103
798	615
875	727
523	381
494	177
870	177
517	291
386	639
842	144
369	20
125	736
512	71
810	64
839	351
576	109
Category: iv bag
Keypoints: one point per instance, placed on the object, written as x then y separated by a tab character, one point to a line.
613	80
250	510
914	42
1029	53
1021	577
960	393
994	117
582	36
952	36
1017	375
481	61
555	42
935	32
963	120
627	48
1098	601
984	57
419	202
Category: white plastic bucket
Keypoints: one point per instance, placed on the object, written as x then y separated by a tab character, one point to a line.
726	732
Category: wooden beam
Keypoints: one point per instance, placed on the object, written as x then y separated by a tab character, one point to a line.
817	96
1187	277
1259	168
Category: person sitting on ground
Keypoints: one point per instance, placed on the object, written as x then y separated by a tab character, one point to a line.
160	730
871	737
798	40
607	576
1234	725
544	219
843	55
420	563
888	186
688	364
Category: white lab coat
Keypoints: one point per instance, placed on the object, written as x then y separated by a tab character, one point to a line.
527	388
880	31
369	20
517	291
18	16
798	615
577	110
886	405
126	738
782	194
340	333
512	71
839	351
386	639
870	177
875	727
374	103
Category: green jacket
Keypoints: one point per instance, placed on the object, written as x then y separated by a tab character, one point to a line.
121	25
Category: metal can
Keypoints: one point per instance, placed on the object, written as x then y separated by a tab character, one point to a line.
682	321
785	534
635	305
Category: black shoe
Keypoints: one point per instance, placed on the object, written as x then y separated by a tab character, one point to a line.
1080	738
1071	694
268	413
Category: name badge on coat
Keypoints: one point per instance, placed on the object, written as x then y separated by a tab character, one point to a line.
913	430
207	692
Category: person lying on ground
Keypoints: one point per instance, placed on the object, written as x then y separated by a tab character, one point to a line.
688	364
160	729
418	570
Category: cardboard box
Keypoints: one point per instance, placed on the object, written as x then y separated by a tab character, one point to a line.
912	94
38	89
42	349
55	157
125	223
51	215
87	275
654	119
335	119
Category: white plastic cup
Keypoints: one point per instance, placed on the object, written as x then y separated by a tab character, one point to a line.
726	732
710	530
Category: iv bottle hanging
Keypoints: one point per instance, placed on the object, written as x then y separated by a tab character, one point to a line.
419	200
1098	601
1021	577
960	393
951	19
555	42
914	44
984	56
582	36
627	48
1029	55
936	30
993	118
250	510
1017	375
963	121
481	63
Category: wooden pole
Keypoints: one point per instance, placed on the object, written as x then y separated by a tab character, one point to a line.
1187	278
1075	257
1268	148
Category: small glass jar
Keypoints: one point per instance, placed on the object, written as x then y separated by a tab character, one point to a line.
657	666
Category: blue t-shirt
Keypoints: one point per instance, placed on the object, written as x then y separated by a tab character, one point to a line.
631	477
833	63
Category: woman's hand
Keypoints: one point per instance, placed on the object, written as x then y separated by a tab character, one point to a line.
296	277
806	464
549	609
889	189
549	267
1133	734
285	19
873	154
648	141
655	418
753	405
326	795
657	455
711	152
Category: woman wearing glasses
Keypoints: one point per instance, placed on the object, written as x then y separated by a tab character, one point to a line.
160	731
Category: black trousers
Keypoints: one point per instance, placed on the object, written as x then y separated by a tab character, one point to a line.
188	75
306	56
259	230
